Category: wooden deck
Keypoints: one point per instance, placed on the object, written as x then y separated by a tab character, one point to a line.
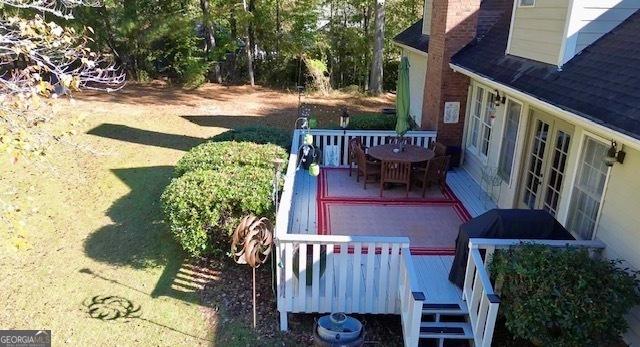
474	199
433	278
304	216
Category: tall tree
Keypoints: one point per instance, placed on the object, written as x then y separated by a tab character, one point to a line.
375	82
248	43
208	28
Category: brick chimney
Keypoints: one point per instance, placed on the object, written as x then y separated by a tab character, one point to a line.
453	26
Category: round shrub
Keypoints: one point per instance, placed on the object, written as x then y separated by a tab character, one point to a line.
203	207
257	134
563	297
218	155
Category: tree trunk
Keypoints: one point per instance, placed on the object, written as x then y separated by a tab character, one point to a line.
247	48
278	27
375	83
209	38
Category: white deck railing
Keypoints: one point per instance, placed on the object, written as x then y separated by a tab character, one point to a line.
351	274
478	291
322	138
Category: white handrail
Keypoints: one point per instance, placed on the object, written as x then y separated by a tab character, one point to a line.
507	243
282	215
411	300
482	303
339	239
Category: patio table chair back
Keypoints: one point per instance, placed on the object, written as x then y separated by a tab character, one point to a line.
354	144
439	149
366	168
434	172
395	172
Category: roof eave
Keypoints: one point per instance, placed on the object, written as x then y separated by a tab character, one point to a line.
412	49
549	107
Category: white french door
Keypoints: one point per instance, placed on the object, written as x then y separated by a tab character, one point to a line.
588	189
544	174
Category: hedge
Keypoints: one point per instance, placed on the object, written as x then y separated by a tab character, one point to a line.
218	155
563	297
203	207
257	134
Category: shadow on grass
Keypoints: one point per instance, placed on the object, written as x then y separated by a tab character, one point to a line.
138	237
120	309
145	137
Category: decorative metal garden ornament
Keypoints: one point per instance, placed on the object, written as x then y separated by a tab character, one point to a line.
251	244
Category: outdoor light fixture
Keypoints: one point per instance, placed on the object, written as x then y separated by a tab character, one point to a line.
344	119
499	99
614	155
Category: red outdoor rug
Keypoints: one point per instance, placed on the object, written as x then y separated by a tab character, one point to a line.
431	223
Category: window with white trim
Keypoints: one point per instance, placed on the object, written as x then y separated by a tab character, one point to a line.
483	111
507	151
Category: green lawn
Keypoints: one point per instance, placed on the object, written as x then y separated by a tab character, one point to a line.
99	266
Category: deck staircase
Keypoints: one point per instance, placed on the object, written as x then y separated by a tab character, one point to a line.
445	322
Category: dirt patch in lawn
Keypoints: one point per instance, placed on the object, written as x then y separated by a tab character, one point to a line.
229	299
97	265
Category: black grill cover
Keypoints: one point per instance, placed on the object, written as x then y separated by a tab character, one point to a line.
504	224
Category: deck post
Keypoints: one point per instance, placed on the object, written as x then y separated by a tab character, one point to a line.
284	326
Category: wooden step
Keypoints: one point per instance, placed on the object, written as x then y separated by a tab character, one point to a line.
445	309
446	330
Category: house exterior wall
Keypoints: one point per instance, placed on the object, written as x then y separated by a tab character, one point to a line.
619	221
417	74
537	32
619	216
590	19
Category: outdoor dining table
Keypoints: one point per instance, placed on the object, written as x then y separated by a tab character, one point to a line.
391	152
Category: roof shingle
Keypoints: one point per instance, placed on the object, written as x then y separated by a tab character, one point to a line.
601	83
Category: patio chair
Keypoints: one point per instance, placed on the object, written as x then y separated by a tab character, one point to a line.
395	172
366	168
439	149
354	143
434	172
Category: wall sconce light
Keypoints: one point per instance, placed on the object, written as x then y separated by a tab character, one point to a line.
344	119
500	100
614	155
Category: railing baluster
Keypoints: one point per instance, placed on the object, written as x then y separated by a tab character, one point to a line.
288	265
369	288
315	284
393	278
492	315
468	278
383	278
302	277
479	326
342	287
355	294
328	274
